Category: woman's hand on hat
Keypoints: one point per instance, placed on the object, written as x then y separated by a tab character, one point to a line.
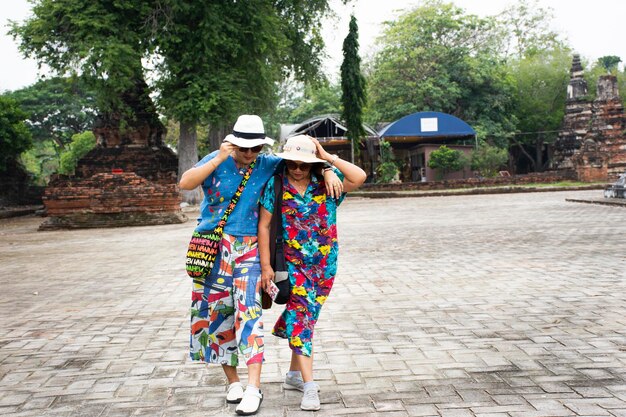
226	148
321	152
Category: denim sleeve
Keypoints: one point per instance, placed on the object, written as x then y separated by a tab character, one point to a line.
206	159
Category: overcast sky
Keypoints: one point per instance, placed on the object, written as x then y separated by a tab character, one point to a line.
593	28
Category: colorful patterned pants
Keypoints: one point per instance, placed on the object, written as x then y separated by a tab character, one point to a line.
226	307
297	322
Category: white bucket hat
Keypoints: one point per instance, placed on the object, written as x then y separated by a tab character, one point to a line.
248	132
300	148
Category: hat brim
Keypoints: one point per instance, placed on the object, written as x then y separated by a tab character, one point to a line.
300	158
248	143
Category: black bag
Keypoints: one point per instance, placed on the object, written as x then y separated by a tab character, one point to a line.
277	252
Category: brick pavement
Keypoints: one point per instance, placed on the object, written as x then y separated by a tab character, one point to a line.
490	306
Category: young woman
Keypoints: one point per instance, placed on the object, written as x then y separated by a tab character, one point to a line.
309	220
226	307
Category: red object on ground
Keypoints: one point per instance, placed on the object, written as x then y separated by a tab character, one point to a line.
117	171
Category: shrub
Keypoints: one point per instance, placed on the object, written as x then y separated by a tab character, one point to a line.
81	144
446	160
488	160
387	171
15	137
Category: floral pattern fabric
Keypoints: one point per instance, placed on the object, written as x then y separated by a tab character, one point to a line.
311	248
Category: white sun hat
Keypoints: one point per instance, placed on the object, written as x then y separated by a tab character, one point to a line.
248	132
300	148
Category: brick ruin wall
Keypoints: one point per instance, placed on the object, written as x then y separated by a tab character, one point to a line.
130	184
532	178
110	199
592	141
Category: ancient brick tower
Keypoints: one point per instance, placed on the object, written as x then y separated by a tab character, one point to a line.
592	141
129	179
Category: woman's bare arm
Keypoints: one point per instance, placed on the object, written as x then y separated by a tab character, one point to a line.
354	176
195	176
267	273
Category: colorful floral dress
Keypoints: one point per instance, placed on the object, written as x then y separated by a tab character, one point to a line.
311	248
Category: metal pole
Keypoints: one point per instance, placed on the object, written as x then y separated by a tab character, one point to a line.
352	151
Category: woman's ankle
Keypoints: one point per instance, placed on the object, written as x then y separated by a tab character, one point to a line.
231	374
310	385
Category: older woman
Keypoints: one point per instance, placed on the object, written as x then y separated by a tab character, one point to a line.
226	306
309	221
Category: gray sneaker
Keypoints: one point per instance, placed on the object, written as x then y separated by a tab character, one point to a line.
310	400
294	383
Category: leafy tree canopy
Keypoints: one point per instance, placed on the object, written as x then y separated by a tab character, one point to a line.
524	29
438	58
57	108
541	85
104	41
318	99
609	62
541	82
221	59
598	69
15	137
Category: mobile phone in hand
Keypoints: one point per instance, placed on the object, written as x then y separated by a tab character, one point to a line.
272	291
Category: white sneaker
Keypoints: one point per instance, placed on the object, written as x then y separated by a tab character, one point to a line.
250	403
310	400
234	393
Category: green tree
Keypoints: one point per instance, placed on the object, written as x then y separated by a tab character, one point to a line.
541	82
598	69
438	58
41	161
488	160
446	160
609	62
57	108
524	30
353	88
81	144
221	59
15	137
319	98
539	63
103	41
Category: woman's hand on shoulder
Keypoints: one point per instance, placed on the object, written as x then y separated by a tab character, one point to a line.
334	186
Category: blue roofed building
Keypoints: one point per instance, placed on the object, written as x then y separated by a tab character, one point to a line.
414	137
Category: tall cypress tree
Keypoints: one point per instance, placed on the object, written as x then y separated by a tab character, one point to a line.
353	87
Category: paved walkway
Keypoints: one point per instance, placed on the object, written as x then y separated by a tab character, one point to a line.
491	306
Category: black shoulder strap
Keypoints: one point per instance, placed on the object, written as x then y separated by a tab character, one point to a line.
219	229
276	225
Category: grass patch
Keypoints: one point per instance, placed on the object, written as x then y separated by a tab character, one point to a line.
559	184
